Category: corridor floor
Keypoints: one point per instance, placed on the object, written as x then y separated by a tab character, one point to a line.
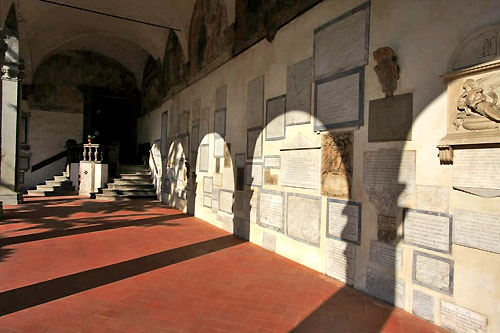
75	265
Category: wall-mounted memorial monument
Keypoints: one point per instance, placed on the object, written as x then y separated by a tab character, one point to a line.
298	91
275	118
336	164
303	218
300	162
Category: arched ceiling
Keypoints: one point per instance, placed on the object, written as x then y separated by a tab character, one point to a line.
45	28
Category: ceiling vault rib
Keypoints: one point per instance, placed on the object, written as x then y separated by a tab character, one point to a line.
109	15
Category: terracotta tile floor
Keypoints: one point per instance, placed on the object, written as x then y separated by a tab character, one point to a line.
74	265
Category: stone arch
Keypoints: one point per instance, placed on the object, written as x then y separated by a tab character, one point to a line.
173	63
151	92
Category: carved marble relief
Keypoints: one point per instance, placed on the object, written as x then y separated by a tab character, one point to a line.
173	62
336	164
387	70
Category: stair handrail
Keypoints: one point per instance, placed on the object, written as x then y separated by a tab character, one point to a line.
66	153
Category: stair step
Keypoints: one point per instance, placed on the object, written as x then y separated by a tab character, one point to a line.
119	181
42	193
130	176
58	183
134	173
139	192
133	167
55	188
146	186
61	178
123	197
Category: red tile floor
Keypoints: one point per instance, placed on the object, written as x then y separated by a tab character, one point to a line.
75	265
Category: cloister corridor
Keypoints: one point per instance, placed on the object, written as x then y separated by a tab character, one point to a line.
70	264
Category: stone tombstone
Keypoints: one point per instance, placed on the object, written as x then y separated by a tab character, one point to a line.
391	118
227	155
482	46
428	230
433	272
254	143
255	103
341	261
272	210
218	179
254	174
386	228
207	184
433	198
219	144
240	160
195	109
174	119
460	319
342	43
220	132
195	136
204	124
385	256
298	93
344	220
477	230
476	171
337	164
300	163
184	122
303	216
269	241
275	118
220	97
339	100
423	305
386	286
207	201
272	162
226	201
204	158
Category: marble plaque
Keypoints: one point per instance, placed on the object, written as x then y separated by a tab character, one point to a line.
428	230
207	201
221	97
219	144
337	164
303	218
344	220
204	125
207	184
433	272
217	180
386	256
423	305
255	102
184	122
386	286
386	228
477	230
195	136
298	93
240	179
226	201
342	43
272	162
391	118
254	174
338	101
254	143
300	168
204	156
461	320
275	118
195	109
220	122
476	171
269	241
341	261
433	198
272	210
240	160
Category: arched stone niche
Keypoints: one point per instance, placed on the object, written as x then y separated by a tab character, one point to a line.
472	141
173	63
152	92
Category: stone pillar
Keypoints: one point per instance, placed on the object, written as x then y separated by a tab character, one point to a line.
10	120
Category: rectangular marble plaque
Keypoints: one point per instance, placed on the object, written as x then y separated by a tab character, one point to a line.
207	201
433	272
462	320
220	122
218	180
338	101
219	144
272	209
386	256
240	160
204	125
254	143
195	136
337	164
208	184
298	93
255	102
272	162
269	241
204	156
226	201
389	167
254	174
386	286
184	122
300	168
220	97
342	43
341	261
275	118
433	198
344	220
428	230
476	168
391	118
423	305
303	218
195	109
477	230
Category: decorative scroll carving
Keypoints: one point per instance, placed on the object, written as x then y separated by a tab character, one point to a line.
173	71
387	70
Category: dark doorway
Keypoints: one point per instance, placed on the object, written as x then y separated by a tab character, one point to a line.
112	118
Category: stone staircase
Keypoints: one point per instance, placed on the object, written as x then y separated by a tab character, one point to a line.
134	182
59	186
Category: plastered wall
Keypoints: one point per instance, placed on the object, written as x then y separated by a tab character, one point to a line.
424	35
